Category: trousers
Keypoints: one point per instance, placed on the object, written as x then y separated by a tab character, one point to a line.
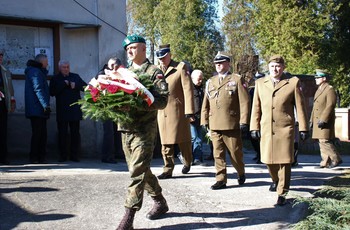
138	149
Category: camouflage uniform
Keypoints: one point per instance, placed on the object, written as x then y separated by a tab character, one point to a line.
138	140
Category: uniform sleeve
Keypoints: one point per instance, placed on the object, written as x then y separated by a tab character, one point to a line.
300	108
244	103
256	110
187	87
205	107
331	101
160	92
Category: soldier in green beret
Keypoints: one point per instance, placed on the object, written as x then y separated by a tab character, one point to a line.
138	138
323	119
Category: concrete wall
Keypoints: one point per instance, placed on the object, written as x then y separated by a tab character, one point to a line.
86	41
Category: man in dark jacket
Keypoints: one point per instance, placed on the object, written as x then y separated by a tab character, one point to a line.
37	105
66	87
196	128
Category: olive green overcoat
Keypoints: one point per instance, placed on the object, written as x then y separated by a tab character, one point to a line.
324	110
273	115
174	127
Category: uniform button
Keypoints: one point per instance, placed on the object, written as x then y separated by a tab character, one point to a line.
273	133
273	120
273	107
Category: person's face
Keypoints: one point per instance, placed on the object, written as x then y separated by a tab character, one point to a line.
222	67
197	79
65	69
165	61
320	80
276	69
136	51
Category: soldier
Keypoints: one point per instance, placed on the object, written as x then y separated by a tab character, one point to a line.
275	97
139	137
174	119
323	118
225	111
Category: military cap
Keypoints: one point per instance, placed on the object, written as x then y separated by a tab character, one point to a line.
163	50
221	57
276	58
321	73
134	38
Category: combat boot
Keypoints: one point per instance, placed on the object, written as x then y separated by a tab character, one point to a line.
159	208
127	222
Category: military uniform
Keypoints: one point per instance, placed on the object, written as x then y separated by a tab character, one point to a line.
225	107
324	110
138	140
273	114
174	126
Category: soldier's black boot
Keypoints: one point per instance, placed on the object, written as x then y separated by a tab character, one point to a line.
159	208
127	222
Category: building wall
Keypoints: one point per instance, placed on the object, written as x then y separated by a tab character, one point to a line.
84	40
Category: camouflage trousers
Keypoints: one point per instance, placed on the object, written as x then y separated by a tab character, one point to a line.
138	149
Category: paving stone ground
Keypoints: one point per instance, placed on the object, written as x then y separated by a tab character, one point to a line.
90	195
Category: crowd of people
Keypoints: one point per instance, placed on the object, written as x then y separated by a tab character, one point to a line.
272	114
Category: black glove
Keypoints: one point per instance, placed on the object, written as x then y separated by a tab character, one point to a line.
321	124
47	111
244	129
255	134
304	135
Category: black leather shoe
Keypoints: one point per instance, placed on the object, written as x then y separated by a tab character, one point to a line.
273	186
332	165
281	201
241	179
218	185
186	169
164	176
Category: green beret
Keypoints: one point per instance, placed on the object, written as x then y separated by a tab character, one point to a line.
276	58
321	73
134	38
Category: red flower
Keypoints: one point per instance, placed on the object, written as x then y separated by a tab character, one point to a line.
95	93
112	88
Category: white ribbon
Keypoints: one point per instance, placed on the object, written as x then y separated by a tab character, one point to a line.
127	76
